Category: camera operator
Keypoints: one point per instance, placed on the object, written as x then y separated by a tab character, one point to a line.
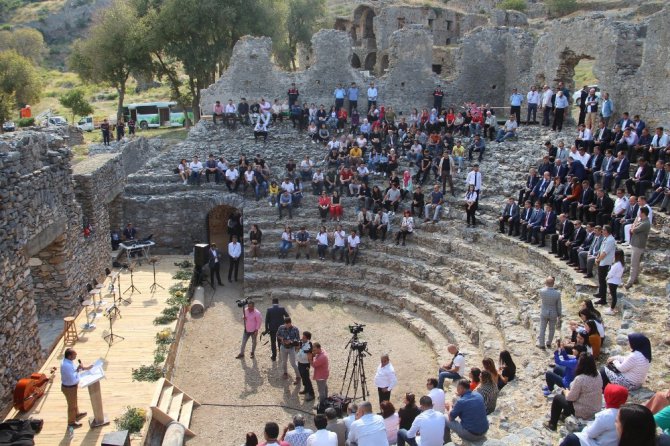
289	338
252	323
321	372
304	361
274	318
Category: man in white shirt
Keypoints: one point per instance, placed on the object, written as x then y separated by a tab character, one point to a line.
368	429
533	100
234	252
232	178
339	240
271	434
429	423
287	185
436	395
372	95
69	372
322	437
508	130
474	178
230	109
385	378
196	170
584	137
547	93
351	251
298	435
453	370
348	420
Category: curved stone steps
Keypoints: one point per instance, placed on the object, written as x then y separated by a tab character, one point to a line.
302	272
412	321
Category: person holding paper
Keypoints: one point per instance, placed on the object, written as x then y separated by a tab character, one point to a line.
69	371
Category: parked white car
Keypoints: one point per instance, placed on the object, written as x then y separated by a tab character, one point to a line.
86	124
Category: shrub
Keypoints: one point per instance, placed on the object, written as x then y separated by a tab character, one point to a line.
515	5
559	8
132	420
149	373
26	122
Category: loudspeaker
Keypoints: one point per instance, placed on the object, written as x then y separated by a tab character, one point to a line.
200	254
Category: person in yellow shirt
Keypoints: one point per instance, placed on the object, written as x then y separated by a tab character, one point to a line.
273	193
355	155
458	152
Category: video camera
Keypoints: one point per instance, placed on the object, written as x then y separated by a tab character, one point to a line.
359	346
242	302
356	328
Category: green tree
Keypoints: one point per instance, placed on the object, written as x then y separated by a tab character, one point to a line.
28	42
199	35
75	101
20	83
302	22
114	49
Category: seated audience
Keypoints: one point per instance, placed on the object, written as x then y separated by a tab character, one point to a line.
631	370
391	421
488	390
471	411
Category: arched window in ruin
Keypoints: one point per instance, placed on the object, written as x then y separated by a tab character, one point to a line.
370	61
384	64
355	61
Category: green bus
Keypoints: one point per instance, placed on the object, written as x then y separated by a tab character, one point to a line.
157	114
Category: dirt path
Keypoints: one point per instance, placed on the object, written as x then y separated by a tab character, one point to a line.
206	367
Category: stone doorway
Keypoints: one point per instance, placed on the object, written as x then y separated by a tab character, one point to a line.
370	62
355	61
217	226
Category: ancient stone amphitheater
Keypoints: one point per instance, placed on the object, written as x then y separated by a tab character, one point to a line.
450	284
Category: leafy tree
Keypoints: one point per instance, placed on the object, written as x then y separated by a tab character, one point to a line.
114	49
19	82
301	22
28	42
75	101
199	36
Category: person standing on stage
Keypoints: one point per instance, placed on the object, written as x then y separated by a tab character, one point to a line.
252	323
321	372
234	253
214	264
304	362
130	232
293	94
385	379
69	372
274	318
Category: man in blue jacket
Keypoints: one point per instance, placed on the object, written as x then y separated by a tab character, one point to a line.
547	226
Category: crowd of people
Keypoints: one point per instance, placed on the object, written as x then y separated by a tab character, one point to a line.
565	200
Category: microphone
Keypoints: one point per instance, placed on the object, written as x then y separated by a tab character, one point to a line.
79	360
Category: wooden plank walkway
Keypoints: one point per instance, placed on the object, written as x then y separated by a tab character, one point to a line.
118	388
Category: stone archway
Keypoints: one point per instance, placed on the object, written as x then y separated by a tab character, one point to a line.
355	61
384	64
370	61
217	224
364	27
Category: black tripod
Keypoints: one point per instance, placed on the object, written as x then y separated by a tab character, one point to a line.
120	299
154	285
132	288
358	351
112	313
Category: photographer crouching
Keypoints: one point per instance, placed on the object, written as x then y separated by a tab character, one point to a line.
289	339
252	323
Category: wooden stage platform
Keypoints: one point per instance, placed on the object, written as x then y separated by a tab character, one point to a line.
118	388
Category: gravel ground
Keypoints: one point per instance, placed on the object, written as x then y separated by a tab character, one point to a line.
206	367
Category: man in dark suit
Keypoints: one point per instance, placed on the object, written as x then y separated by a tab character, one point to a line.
524	217
621	169
510	214
625	121
600	211
547	226
565	229
628	218
531	181
584	246
560	170
644	175
606	171
661	183
586	198
214	264
535	222
602	137
594	164
541	187
576	168
274	318
575	240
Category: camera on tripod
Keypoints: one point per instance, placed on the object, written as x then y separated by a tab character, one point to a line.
356	328
359	346
242	302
